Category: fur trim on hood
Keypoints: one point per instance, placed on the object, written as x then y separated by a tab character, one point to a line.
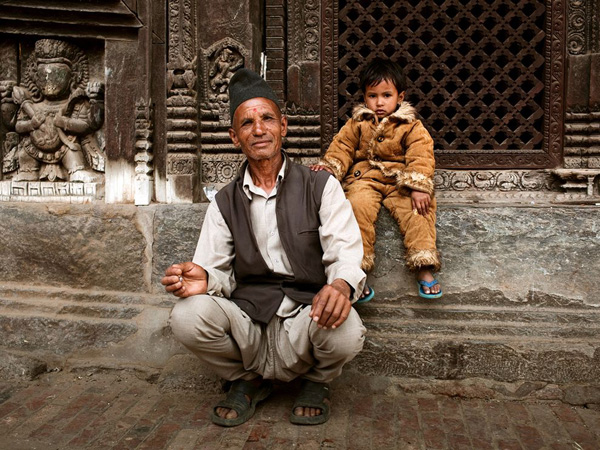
404	113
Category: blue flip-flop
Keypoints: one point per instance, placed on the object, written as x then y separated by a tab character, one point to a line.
366	298
428	284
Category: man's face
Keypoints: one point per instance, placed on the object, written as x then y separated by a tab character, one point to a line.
258	128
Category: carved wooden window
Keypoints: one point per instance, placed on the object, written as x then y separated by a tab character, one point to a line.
485	75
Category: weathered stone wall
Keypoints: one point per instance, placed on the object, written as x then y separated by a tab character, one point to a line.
80	286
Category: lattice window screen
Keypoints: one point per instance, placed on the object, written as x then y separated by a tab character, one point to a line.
475	67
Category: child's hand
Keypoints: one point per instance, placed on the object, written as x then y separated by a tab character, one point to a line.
318	167
420	202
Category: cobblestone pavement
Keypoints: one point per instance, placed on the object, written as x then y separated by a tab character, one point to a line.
112	411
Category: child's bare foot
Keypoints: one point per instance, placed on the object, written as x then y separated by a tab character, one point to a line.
425	279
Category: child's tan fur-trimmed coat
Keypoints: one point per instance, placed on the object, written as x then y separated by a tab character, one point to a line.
382	161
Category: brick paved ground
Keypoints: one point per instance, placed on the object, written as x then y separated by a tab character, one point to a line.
110	411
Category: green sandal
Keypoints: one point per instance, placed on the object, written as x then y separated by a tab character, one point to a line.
237	401
312	395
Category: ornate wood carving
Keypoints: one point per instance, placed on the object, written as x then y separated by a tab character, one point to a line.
329	81
279	23
487	77
303	34
218	169
494	181
144	169
182	104
582	121
583	35
577	37
220	61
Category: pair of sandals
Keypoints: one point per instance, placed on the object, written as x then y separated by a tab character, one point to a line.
364	298
312	395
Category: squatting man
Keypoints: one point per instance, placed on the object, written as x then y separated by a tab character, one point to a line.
277	267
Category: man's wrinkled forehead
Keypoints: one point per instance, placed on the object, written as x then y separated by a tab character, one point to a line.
257	105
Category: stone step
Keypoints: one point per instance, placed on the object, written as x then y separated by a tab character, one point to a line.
447	318
520	304
48	328
15	291
451	339
63	308
554	342
463	357
51	333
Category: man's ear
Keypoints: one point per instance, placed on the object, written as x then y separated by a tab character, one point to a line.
234	138
284	125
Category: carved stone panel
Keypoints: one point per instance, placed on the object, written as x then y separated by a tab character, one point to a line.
220	61
81	67
56	128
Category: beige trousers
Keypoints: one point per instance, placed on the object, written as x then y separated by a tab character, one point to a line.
221	335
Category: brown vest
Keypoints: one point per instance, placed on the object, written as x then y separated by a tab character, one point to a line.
259	291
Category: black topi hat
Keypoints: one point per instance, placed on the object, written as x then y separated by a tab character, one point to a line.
245	85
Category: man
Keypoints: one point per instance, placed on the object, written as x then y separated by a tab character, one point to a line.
268	294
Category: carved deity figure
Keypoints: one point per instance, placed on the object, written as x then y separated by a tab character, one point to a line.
59	111
226	63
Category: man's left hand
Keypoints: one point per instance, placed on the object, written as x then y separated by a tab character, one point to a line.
331	306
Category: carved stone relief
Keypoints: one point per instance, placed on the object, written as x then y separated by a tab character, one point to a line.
220	169
54	118
220	61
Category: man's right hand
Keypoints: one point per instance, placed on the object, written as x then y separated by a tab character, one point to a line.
331	305
185	279
319	167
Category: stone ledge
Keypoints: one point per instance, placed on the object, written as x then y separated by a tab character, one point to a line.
520	304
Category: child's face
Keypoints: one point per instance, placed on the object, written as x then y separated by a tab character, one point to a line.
383	98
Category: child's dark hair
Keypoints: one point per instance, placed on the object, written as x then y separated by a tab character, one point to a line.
381	69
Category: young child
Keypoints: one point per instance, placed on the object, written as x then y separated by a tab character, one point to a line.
384	154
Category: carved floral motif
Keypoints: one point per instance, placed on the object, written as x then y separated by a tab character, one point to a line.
576	36
502	181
